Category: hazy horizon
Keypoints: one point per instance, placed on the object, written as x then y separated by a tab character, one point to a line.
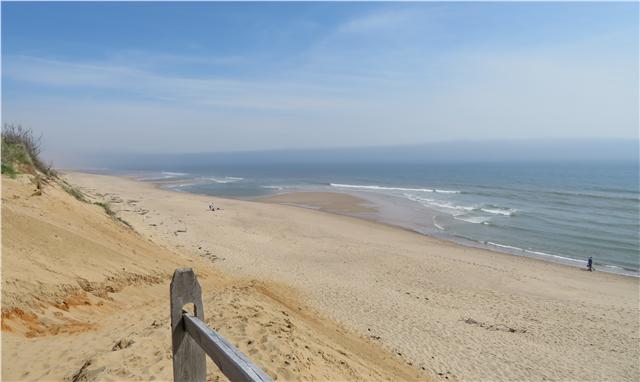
605	150
210	77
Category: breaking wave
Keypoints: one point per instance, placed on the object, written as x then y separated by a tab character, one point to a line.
383	188
164	175
473	219
457	210
226	179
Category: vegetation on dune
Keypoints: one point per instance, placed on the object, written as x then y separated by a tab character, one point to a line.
21	152
14	155
121	220
73	191
8	170
107	208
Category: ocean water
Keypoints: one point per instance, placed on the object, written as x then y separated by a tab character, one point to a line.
562	212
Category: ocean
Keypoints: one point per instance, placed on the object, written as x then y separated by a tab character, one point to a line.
556	211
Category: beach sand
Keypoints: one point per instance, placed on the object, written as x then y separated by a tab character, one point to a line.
323	201
84	297
387	302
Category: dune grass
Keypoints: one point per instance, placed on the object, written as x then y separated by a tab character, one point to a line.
106	206
21	154
73	191
21	151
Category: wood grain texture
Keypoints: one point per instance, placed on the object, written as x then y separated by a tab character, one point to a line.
192	338
233	364
189	362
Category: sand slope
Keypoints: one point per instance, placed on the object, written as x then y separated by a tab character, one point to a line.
85	297
456	312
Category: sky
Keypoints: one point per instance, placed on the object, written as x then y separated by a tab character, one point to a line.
205	77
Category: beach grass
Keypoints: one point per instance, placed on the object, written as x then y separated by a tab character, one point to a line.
21	150
107	208
74	191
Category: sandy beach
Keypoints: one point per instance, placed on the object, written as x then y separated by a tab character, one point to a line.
306	292
85	297
365	191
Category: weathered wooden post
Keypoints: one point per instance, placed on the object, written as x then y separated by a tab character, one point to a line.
192	338
189	362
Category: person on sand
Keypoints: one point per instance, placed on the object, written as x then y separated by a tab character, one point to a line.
590	264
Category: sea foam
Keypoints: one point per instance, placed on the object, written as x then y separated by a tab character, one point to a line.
226	179
383	188
539	253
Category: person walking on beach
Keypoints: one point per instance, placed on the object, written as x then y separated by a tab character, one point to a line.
590	264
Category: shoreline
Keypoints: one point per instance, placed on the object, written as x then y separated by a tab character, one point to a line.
446	309
366	214
289	198
376	201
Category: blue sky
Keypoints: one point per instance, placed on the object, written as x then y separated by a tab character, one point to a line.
179	77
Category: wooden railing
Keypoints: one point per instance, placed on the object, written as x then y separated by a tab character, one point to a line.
191	338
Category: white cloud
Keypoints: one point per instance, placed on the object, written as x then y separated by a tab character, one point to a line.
378	21
149	60
215	92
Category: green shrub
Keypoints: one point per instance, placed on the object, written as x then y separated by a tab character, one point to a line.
8	169
15	153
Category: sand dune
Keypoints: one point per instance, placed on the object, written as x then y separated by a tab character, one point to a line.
85	297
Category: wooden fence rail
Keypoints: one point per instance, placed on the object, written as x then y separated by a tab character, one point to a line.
191	338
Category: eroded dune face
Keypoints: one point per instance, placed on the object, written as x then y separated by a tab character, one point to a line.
60	253
84	296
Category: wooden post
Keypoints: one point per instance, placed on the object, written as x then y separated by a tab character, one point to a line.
189	362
